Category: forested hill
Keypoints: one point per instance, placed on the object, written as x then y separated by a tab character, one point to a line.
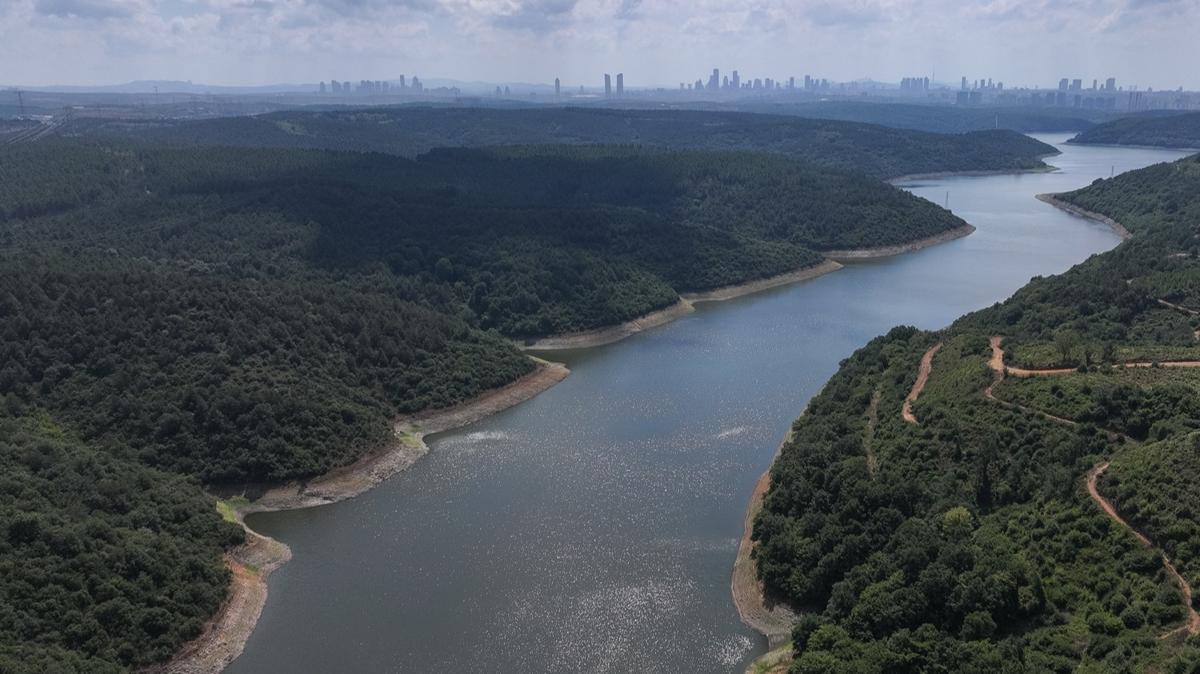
172	317
935	118
1160	130
254	314
965	540
410	131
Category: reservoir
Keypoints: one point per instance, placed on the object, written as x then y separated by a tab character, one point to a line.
593	529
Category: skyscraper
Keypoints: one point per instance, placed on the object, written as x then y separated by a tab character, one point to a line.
735	82
714	80
607	86
557	87
964	83
620	84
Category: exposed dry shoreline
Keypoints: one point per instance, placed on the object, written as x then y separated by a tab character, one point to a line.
738	290
226	634
900	248
833	262
983	172
1117	227
613	333
771	619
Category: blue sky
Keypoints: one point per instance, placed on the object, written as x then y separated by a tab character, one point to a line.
655	42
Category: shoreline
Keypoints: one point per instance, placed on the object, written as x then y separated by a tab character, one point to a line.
1131	146
607	335
1053	200
750	287
976	173
225	635
771	619
853	254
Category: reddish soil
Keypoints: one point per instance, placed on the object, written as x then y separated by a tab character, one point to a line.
919	385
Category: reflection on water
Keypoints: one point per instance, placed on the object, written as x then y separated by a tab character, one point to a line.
593	529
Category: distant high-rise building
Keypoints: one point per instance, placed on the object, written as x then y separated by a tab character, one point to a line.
714	80
808	81
322	87
1063	84
725	82
1110	84
607	86
416	84
791	83
735	82
620	84
506	91
1095	84
964	83
557	87
699	85
1076	85
499	92
402	84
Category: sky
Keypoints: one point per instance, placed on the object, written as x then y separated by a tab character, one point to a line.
654	42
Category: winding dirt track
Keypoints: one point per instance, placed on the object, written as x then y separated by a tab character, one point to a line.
996	363
919	385
1192	626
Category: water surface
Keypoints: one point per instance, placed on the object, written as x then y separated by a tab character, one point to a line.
593	529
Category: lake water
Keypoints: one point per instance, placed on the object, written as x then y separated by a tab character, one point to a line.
593	528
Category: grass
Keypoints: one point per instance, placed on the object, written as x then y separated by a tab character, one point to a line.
770	662
228	508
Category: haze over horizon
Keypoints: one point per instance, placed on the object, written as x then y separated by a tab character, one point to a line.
654	42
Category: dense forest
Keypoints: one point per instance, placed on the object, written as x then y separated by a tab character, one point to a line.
967	542
174	319
410	131
932	117
1153	129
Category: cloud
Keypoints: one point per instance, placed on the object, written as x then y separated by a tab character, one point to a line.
89	9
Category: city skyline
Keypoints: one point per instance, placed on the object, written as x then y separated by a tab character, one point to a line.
227	42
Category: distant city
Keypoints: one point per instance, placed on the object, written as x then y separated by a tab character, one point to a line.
1069	93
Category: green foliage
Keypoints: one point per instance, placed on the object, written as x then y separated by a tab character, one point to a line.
104	564
974	546
411	131
1157	129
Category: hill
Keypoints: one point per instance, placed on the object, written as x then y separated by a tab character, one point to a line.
1158	130
410	131
173	319
934	118
973	536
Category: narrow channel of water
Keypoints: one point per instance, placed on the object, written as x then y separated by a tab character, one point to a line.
593	529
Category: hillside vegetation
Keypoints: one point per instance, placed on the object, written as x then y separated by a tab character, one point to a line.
173	319
410	131
932	117
966	542
1159	130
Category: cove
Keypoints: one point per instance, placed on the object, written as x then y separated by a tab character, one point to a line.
594	528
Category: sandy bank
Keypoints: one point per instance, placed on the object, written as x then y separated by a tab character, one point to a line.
225	636
770	618
1117	227
350	481
738	290
613	333
983	172
899	249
